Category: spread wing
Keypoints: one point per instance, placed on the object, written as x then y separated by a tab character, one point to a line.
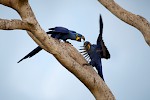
104	52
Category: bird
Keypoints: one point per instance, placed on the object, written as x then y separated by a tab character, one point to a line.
64	34
60	33
94	52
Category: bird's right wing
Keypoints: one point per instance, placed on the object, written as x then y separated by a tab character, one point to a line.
104	52
99	39
32	53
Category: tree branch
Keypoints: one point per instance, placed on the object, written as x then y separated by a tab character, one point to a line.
14	24
134	20
66	54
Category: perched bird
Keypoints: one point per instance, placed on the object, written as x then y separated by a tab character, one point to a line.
58	33
95	52
64	34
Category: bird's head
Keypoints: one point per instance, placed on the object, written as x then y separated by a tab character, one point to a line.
87	45
79	37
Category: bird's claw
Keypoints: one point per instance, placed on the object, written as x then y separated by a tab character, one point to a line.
68	42
87	64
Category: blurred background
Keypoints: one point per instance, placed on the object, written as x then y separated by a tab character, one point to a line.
43	78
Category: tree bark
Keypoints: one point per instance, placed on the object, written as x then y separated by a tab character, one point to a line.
65	53
136	21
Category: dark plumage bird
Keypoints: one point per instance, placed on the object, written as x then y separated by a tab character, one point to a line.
58	33
64	34
95	52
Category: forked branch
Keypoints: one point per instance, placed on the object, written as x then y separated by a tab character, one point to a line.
14	24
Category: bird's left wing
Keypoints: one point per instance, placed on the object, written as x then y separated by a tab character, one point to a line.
60	30
104	52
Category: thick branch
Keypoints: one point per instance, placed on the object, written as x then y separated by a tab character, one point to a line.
135	20
18	24
22	6
14	24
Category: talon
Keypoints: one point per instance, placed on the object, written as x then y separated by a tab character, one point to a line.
86	64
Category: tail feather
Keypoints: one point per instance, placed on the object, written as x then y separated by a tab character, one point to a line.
32	53
99	69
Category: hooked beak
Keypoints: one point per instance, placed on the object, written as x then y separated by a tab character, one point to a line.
79	38
83	38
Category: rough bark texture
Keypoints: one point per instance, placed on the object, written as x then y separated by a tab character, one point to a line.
136	21
66	54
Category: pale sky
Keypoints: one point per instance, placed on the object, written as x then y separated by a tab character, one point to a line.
42	77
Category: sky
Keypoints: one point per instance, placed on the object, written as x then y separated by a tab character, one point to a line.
42	77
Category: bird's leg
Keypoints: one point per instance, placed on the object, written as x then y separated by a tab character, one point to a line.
67	42
86	64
